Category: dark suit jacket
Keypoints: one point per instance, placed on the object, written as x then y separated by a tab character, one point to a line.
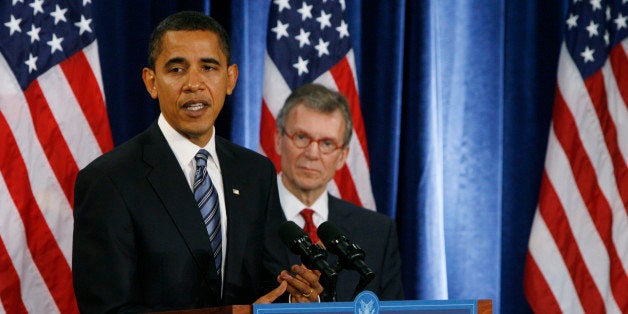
376	234
139	240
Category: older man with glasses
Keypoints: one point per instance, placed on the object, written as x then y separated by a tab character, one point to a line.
314	129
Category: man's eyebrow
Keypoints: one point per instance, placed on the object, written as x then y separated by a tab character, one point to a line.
175	60
210	60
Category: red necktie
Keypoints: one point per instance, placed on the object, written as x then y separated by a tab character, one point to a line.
309	227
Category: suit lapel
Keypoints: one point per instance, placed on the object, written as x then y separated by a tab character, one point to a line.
172	188
236	207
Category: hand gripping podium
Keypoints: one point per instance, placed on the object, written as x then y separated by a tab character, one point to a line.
365	303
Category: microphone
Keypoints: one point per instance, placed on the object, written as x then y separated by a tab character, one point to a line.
312	256
350	254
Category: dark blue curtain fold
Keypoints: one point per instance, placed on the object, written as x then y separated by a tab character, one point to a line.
456	98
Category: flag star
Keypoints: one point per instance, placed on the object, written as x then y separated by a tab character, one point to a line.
13	25
592	29
59	14
324	19
16	1
301	65
572	21
607	38
55	44
37	6
587	54
595	4
303	38
608	13
322	47
283	4
83	25
342	4
281	29
85	2
31	62
620	21
34	33
342	30
306	11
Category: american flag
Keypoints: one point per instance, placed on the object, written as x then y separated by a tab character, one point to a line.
578	251
308	41
53	121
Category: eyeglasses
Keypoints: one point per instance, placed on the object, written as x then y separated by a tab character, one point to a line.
303	140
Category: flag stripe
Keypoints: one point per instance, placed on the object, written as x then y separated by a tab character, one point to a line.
85	88
269	127
53	121
348	191
586	180
54	145
72	121
46	188
578	249
10	283
558	225
41	243
31	284
619	62
344	80
539	290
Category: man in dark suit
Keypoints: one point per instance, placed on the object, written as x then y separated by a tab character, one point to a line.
141	239
313	132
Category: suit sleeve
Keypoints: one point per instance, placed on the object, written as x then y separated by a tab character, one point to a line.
103	256
275	257
392	288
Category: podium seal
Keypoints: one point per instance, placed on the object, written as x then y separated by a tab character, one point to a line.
366	303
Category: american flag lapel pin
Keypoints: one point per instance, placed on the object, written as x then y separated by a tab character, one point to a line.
235	191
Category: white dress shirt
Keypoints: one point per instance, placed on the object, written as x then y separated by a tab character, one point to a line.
292	206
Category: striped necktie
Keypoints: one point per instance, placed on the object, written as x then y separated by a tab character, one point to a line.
207	200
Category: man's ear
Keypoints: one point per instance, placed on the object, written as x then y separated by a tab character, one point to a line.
344	152
277	142
232	77
148	76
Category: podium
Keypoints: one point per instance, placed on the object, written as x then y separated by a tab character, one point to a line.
366	302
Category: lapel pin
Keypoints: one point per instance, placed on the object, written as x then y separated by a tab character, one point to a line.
235	191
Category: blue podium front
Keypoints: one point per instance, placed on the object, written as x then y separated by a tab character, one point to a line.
368	303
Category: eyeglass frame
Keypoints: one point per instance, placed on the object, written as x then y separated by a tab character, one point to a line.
312	139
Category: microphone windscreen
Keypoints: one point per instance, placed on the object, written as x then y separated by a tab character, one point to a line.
289	232
327	231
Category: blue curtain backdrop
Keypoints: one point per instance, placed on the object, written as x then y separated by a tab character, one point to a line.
456	97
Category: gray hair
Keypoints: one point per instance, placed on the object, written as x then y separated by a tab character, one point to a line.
321	99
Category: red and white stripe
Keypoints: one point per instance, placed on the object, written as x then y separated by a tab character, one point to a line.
352	182
47	133
578	251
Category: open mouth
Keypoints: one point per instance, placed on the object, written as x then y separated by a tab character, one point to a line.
194	106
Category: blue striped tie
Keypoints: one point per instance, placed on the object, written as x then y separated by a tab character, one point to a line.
207	199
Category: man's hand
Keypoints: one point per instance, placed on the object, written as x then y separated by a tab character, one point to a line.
273	295
303	284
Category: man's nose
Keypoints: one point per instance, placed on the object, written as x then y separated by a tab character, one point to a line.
312	150
194	80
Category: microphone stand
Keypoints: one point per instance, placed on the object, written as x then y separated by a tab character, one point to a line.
329	293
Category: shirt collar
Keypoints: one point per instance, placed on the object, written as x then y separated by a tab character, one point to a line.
292	206
183	149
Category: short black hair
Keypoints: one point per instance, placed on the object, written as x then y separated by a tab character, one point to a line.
186	21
